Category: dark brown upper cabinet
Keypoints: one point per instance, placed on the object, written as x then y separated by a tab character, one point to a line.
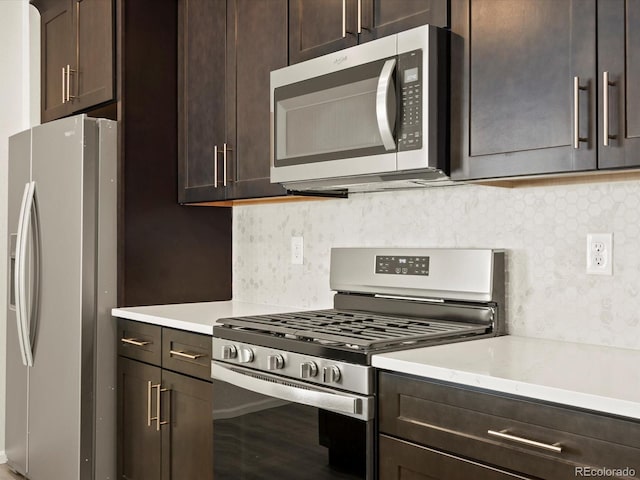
528	95
227	48
619	82
77	51
317	28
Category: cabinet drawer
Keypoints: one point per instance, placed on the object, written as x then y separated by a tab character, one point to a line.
457	419
187	352
400	460
140	341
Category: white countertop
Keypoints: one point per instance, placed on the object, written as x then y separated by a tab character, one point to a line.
604	379
195	317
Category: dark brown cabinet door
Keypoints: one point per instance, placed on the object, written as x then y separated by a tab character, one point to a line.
619	98
94	80
187	440
201	99
404	460
77	55
386	17
139	444
250	26
56	56
227	49
317	28
514	64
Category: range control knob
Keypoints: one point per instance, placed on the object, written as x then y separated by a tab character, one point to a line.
308	369
330	374
245	355
275	362
229	352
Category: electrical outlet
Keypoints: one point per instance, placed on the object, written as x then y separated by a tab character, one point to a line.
297	250
600	253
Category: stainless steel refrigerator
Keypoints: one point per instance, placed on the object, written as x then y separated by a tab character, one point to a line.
61	399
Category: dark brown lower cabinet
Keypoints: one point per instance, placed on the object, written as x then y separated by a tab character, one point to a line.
139	442
182	447
165	427
187	445
437	430
405	460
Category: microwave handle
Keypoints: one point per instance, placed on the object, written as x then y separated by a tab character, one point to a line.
382	110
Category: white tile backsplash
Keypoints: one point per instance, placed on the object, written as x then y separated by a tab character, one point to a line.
543	230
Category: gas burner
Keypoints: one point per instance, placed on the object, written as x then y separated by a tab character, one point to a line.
353	329
459	297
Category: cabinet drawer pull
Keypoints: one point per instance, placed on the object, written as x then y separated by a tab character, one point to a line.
359	16
190	356
503	434
133	341
576	113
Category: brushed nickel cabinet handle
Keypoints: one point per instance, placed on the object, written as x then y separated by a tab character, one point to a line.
190	356
133	341
503	434
63	82
576	113
359	16
69	72
225	149
149	389
159	422
68	82
215	166
344	18
606	83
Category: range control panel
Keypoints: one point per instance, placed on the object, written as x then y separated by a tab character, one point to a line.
410	84
398	265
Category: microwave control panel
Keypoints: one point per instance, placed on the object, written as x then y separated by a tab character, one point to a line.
410	84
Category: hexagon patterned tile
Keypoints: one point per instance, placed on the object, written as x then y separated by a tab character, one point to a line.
543	229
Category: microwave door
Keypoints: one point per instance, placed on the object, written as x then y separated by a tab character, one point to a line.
336	125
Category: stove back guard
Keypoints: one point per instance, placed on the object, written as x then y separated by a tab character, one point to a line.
460	284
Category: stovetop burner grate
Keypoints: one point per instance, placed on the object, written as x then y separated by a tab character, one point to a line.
365	330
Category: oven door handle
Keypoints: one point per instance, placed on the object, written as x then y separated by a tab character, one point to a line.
385	104
292	391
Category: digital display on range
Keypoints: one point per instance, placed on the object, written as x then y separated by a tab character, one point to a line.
394	265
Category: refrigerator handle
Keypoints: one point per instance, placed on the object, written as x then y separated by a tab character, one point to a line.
23	319
17	278
33	319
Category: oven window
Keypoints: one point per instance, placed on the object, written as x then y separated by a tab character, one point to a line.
261	438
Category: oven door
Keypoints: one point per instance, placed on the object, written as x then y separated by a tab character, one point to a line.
270	428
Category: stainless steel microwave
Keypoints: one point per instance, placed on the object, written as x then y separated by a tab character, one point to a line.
370	117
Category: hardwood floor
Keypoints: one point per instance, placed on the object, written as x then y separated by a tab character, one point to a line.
7	474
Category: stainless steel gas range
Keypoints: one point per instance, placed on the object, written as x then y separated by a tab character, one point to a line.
294	393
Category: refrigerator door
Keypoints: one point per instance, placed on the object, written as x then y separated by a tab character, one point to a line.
17	372
64	169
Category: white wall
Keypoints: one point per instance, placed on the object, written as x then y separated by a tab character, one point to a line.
543	229
16	90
